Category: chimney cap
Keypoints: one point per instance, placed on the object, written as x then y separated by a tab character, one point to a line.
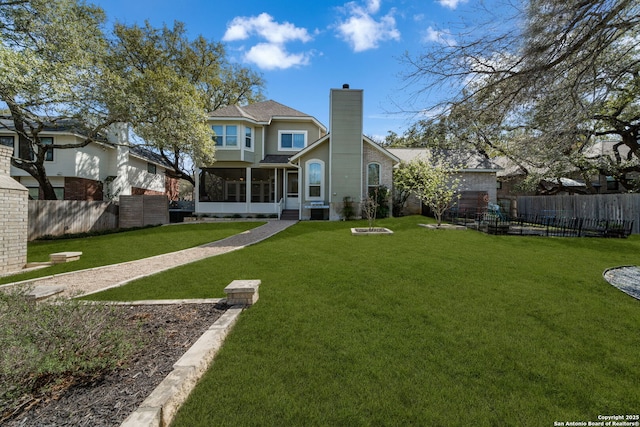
345	86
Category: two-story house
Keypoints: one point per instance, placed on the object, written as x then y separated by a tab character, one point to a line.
101	170
276	161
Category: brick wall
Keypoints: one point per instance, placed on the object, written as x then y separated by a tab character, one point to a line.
480	181
373	155
137	191
83	189
172	188
13	220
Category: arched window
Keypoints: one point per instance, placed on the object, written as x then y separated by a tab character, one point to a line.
373	176
315	179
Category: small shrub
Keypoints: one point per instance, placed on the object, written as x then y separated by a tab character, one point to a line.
369	207
48	345
348	212
381	196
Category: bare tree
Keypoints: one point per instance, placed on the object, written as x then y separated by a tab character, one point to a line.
544	85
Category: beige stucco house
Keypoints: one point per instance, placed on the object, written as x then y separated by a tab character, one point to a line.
102	170
276	161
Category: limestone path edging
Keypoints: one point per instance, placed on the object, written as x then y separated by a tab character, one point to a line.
161	406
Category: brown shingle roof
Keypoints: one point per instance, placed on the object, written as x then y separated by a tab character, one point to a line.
260	111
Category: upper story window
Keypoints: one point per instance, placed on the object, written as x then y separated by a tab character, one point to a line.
151	168
225	135
47	140
373	176
6	140
292	140
248	137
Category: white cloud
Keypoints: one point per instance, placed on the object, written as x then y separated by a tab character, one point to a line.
263	25
373	6
442	37
362	31
451	4
273	54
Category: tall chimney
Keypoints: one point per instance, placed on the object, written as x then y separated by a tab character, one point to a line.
345	115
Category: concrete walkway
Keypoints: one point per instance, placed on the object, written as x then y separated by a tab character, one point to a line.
93	280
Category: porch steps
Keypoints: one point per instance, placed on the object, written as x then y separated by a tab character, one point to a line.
289	215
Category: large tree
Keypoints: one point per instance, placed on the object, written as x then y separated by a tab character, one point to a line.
50	52
547	86
60	69
434	180
176	81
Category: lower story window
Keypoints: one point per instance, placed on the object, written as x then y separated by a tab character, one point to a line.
34	193
373	177
7	141
223	185
315	179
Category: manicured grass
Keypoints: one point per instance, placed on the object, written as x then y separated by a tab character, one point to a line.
126	246
423	327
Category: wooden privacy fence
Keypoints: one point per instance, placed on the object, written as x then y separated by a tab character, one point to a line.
58	217
616	207
141	210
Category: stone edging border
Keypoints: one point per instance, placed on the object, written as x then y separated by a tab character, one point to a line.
160	407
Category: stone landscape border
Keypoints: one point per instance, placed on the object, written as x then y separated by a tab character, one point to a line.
161	406
365	231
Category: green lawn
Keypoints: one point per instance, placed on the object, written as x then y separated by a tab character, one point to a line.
423	327
126	246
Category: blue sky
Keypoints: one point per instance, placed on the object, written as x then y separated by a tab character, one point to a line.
305	48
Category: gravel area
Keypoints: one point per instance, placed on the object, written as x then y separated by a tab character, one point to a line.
626	278
169	330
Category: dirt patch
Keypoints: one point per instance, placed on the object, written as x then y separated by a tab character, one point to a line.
170	330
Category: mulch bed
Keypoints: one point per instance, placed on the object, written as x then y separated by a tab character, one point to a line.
170	329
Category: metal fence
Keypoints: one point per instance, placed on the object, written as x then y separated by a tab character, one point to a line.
600	207
540	225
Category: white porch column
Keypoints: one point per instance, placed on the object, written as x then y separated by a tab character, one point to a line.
248	190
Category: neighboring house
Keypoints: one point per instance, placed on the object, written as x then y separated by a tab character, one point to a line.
276	161
101	170
478	178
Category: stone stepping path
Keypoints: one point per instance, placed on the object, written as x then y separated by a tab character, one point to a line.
84	282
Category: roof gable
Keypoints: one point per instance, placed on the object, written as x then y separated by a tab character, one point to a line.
465	160
327	137
260	111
